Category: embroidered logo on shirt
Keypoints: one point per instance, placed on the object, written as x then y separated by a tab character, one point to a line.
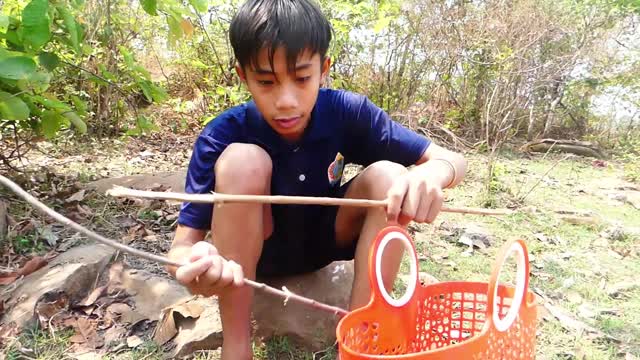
334	171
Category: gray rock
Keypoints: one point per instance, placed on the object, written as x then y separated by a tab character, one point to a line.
72	273
311	328
172	180
475	236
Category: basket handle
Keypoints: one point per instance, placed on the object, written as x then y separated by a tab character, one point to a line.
522	284
380	243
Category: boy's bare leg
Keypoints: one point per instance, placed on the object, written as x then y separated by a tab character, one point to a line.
364	224
238	232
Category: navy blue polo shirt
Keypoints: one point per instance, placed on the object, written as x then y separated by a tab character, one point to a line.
341	122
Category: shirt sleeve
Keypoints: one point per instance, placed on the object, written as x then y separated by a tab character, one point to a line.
200	177
378	137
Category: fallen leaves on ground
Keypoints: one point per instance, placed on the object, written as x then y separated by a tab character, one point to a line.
29	267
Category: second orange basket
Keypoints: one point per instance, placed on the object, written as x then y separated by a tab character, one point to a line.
447	320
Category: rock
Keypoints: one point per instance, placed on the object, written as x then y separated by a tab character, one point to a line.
621	290
72	273
170	180
150	293
475	237
193	324
313	329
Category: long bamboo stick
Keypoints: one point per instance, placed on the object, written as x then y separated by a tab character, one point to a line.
286	294
119	191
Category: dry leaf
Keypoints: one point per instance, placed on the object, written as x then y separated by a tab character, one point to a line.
49	305
114	333
118	308
8	278
7	332
570	323
187	28
48	235
131	317
134	341
167	327
79	196
32	265
84	210
115	278
91	298
29	267
87	329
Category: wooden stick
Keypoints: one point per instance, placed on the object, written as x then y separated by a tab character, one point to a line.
119	191
286	294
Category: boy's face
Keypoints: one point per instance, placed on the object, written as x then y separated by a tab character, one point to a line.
285	99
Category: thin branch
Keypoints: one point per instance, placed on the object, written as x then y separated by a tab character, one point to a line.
287	295
213	46
543	176
116	86
119	191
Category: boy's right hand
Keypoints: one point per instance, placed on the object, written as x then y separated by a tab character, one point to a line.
207	273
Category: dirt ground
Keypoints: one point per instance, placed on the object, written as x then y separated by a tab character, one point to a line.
579	218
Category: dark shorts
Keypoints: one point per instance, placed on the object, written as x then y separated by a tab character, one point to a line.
303	240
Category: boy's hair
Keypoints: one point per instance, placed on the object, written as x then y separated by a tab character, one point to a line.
296	25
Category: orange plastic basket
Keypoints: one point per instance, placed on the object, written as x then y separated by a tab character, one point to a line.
447	320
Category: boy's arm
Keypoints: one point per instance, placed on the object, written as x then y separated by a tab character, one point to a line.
183	241
450	166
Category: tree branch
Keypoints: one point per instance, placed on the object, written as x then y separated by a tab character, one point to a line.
119	191
286	295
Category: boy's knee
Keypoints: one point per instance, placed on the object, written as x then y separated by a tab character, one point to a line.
243	167
382	174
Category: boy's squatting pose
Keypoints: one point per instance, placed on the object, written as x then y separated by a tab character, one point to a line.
290	140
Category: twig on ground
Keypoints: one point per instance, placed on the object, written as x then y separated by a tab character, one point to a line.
143	254
119	191
543	176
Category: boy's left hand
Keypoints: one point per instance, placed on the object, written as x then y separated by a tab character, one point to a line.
417	195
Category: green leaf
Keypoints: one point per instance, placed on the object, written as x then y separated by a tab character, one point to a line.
80	105
80	126
17	67
382	23
146	89
72	28
175	30
142	71
15	38
35	21
4	23
128	58
50	123
4	53
200	5
52	104
48	61
152	92
158	93
37	82
107	74
12	107
150	7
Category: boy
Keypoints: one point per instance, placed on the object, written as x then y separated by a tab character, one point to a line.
293	138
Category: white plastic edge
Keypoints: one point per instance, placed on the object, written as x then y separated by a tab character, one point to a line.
413	279
505	323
